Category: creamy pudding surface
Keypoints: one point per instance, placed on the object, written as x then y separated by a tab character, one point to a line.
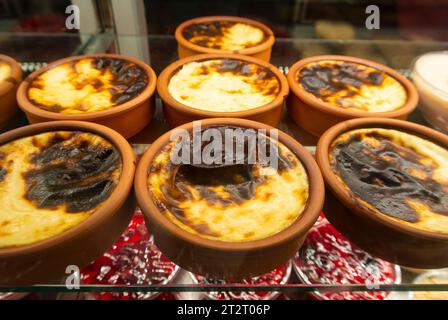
51	182
87	85
224	85
233	203
396	174
224	35
352	86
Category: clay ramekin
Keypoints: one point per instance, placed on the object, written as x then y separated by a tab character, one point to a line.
8	90
47	260
127	119
187	48
376	233
316	116
178	113
221	259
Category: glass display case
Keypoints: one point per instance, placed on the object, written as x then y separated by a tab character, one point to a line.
327	266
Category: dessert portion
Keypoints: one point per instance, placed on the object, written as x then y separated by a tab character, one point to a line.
435	277
395	174
277	277
5	71
352	86
327	257
51	182
87	85
224	85
134	259
430	76
234	201
224	35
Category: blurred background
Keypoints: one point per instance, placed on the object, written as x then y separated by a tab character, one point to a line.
33	31
400	19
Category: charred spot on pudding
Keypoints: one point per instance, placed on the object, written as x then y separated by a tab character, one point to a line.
352	85
232	66
388	176
87	85
323	80
235	177
208	29
3	173
214	176
222	34
55	138
247	148
130	79
237	181
258	75
3	166
54	181
78	174
231	192
224	84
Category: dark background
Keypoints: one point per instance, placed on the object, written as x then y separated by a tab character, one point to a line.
404	19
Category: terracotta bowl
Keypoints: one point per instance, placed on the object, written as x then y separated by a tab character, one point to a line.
138	111
316	116
178	113
376	233
46	261
221	259
8	90
187	48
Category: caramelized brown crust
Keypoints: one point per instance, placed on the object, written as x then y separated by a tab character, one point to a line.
262	79
87	85
215	35
224	85
238	180
51	182
397	180
79	175
187	192
352	86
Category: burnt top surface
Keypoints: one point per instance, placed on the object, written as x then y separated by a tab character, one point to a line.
238	67
211	34
129	78
260	77
237	178
340	83
325	79
121	79
388	176
72	170
52	181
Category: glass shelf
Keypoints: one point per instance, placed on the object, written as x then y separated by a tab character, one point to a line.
33	50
